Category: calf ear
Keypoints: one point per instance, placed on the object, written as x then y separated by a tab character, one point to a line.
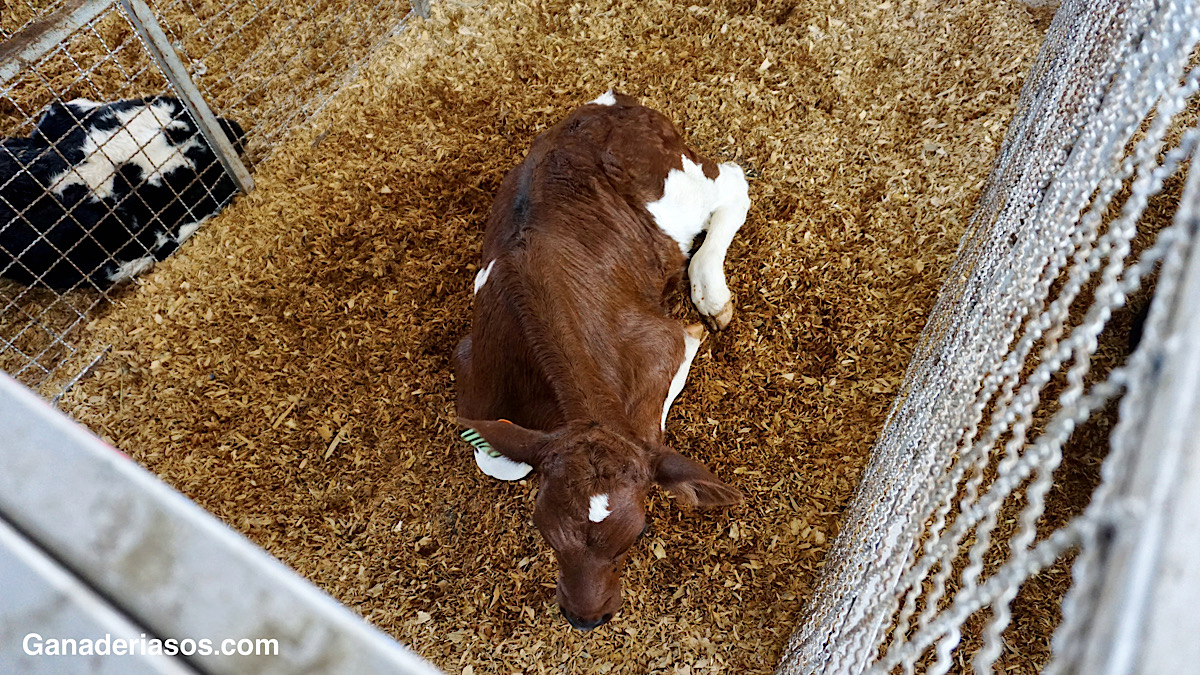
691	482
511	440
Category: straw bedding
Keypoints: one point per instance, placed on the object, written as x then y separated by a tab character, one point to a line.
290	370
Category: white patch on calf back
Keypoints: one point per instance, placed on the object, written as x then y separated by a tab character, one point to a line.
688	199
84	103
482	276
598	508
140	140
501	468
607	98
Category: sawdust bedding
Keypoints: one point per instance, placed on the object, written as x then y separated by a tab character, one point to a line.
289	370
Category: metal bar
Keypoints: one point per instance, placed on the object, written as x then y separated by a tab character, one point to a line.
421	8
43	601
164	54
1144	619
40	37
166	563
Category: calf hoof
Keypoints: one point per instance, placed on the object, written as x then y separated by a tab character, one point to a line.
721	319
696	331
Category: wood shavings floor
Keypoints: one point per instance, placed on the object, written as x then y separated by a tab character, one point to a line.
289	370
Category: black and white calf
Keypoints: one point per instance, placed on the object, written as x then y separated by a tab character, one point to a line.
101	191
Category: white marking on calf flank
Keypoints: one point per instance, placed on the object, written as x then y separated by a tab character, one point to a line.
139	139
690	346
598	508
606	98
481	277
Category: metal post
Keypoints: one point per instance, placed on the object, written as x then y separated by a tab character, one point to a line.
164	55
421	8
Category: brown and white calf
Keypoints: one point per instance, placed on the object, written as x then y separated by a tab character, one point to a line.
572	361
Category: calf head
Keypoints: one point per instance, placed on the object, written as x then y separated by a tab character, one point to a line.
591	503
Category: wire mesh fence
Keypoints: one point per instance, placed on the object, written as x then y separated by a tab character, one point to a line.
111	159
275	61
18	14
69	201
949	519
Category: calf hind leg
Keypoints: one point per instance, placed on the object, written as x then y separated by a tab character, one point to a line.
693	335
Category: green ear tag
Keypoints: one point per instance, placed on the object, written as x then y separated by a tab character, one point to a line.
478	442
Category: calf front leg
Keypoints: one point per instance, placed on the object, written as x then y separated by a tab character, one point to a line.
706	272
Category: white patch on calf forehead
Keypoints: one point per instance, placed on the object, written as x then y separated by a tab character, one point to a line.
607	98
482	276
598	508
139	139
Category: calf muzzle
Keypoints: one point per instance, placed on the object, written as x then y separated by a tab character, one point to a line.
585	624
